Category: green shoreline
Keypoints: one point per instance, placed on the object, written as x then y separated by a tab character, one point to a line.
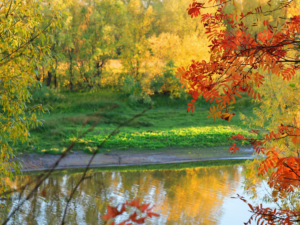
149	167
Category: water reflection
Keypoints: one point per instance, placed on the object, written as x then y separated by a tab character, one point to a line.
191	196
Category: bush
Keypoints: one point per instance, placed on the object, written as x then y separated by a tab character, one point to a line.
44	94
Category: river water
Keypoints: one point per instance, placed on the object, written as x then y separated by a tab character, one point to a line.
190	196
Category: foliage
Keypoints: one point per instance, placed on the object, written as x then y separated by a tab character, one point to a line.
134	90
141	210
21	55
167	82
45	94
93	50
265	63
279	106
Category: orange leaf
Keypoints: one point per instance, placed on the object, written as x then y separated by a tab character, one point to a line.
106	217
296	140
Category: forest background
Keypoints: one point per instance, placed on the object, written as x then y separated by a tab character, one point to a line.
126	52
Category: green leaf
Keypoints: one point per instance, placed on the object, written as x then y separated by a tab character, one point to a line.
292	85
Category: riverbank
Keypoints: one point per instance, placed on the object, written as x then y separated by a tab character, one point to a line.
133	157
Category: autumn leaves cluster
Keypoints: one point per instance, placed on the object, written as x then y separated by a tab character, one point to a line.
113	212
265	65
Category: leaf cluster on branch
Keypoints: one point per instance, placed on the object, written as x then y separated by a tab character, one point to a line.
265	65
113	212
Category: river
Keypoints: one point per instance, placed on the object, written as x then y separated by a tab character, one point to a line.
189	196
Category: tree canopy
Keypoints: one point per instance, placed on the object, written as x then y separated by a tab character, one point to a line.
24	48
265	65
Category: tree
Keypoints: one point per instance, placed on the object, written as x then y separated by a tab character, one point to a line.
103	32
163	51
52	35
251	62
135	45
21	56
69	40
86	41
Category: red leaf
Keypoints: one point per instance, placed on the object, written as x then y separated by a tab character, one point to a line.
106	217
250	206
124	222
150	214
144	207
134	203
140	220
133	216
113	211
43	193
123	209
193	10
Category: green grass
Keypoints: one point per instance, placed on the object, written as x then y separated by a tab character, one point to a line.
167	124
208	136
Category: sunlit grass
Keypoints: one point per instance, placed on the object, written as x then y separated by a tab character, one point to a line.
208	136
166	125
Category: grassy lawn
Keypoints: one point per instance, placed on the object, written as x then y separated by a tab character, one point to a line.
167	124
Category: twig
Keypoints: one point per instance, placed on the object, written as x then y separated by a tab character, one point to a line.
48	172
94	154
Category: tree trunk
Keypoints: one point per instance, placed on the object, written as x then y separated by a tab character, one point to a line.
55	81
49	78
71	85
71	71
99	70
137	68
43	74
38	78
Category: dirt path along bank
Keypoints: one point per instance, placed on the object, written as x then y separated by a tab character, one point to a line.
78	159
